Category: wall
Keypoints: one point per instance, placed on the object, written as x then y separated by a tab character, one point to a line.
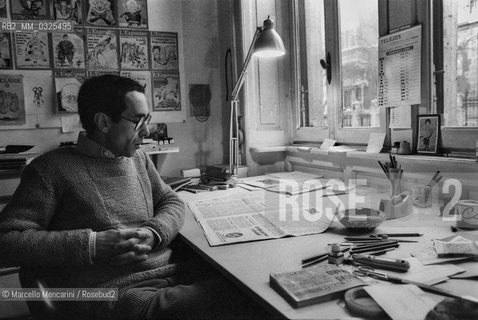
200	143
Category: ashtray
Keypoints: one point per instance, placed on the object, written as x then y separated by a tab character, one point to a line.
361	220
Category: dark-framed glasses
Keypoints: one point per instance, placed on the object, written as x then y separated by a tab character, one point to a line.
140	122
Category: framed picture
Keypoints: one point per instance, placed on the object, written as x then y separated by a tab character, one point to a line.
428	133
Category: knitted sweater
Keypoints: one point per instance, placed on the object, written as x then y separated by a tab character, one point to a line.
66	194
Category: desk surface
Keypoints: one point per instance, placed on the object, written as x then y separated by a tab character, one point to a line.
248	265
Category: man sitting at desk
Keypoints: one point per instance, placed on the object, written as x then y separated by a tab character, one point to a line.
99	215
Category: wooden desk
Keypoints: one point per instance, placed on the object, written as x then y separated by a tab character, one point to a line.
248	265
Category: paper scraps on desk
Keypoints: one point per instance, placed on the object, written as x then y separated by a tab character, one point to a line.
429	255
457	245
471	270
431	274
290	183
403	301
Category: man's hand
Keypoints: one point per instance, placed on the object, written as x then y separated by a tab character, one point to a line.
123	246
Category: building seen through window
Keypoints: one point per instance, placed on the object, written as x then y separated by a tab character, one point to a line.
359	62
460	60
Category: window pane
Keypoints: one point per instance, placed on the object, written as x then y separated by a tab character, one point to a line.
460	54
359	50
313	104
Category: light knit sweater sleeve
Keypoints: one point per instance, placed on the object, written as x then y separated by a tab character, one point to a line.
24	236
168	208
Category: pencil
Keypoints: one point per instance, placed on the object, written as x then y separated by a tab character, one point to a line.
310	263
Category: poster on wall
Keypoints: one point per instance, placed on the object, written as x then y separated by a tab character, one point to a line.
133	14
38	89
68	10
102	49
91	74
100	13
29	9
399	68
144	79
5	50
164	50
12	105
3	9
31	50
69	50
134	49
67	86
166	93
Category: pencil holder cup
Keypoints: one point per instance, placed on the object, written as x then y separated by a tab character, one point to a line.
421	196
395	182
396	206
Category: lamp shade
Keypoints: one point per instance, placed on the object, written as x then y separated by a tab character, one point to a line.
269	42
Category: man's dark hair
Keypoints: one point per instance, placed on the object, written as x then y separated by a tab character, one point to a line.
104	94
429	121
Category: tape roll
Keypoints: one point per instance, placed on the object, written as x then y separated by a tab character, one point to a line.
360	303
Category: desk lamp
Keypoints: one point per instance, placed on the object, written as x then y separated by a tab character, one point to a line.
266	43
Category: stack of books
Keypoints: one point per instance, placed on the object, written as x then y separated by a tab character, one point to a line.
177	183
12	162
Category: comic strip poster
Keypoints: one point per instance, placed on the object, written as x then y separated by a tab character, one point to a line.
31	50
100	13
29	9
102	46
3	9
132	14
144	79
5	50
166	95
134	49
67	86
12	105
68	10
164	50
91	74
69	50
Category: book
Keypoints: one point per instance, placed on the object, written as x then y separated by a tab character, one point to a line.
314	284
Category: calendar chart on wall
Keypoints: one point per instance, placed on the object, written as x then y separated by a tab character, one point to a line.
399	68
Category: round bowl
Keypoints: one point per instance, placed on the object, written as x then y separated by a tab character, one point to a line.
361	220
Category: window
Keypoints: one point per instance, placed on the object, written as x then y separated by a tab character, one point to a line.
455	55
460	60
359	62
347	30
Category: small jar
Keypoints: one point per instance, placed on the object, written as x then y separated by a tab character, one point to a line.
336	255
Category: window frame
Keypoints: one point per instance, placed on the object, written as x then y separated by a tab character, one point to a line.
453	139
334	130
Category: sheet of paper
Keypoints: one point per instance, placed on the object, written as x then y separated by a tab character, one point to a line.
291	183
430	275
375	142
296	175
399	61
457	245
403	301
327	144
401	118
471	270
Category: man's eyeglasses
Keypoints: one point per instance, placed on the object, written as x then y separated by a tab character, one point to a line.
140	122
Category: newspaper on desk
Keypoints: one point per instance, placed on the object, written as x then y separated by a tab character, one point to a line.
226	221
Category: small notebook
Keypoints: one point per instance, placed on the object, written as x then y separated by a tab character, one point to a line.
313	285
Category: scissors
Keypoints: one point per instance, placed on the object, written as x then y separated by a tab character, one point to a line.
363	271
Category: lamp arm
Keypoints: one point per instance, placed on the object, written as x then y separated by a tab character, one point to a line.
240	80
